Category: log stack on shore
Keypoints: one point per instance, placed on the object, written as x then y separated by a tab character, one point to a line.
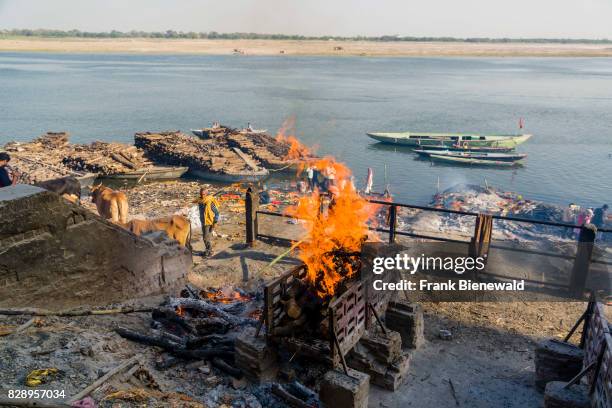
107	159
207	158
52	155
41	159
228	155
267	150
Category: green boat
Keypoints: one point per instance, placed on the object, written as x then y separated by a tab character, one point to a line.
450	139
474	162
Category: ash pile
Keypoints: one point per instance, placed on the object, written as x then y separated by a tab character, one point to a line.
477	199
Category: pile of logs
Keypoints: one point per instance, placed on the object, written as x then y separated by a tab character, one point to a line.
40	159
106	158
52	155
267	150
208	155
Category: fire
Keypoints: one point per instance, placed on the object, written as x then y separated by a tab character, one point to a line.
220	296
180	311
333	236
297	150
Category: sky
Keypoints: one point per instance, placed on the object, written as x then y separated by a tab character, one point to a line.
454	18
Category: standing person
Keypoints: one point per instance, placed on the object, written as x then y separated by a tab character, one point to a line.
316	175
568	217
600	216
330	176
208	207
310	175
588	216
6	179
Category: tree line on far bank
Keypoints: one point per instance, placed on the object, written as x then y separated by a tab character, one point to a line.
213	35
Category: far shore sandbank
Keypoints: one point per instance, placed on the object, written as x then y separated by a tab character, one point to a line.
301	47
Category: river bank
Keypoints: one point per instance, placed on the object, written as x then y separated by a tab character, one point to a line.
301	48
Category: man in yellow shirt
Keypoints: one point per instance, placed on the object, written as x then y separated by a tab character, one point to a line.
208	207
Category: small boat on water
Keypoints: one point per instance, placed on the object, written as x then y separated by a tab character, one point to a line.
506	157
467	140
484	149
472	161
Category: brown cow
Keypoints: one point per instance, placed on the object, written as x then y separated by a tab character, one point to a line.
111	204
176	227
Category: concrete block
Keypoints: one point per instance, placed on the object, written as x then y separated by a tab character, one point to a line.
341	391
407	319
257	360
556	361
556	396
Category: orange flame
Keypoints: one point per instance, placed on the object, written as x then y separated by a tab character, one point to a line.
341	229
221	297
297	150
180	311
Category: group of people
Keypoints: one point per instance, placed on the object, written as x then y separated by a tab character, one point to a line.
573	214
321	179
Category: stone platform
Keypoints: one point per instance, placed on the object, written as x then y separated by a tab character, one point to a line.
55	254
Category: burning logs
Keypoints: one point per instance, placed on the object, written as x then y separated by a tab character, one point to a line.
197	327
205	307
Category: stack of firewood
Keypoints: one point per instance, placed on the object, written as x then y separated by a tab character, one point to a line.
52	155
179	149
266	149
106	158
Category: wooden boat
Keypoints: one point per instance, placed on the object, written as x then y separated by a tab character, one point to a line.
207	133
247	131
484	149
476	162
450	139
506	157
152	173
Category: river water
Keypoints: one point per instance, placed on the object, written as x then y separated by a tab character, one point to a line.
566	104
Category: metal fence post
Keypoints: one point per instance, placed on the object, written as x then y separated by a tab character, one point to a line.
580	270
392	223
251	202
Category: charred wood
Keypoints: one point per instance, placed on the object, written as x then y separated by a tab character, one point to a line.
225	367
289	398
203	306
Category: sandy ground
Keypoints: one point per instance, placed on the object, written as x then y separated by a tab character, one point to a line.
286	47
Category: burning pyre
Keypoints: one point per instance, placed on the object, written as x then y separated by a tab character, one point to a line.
336	224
